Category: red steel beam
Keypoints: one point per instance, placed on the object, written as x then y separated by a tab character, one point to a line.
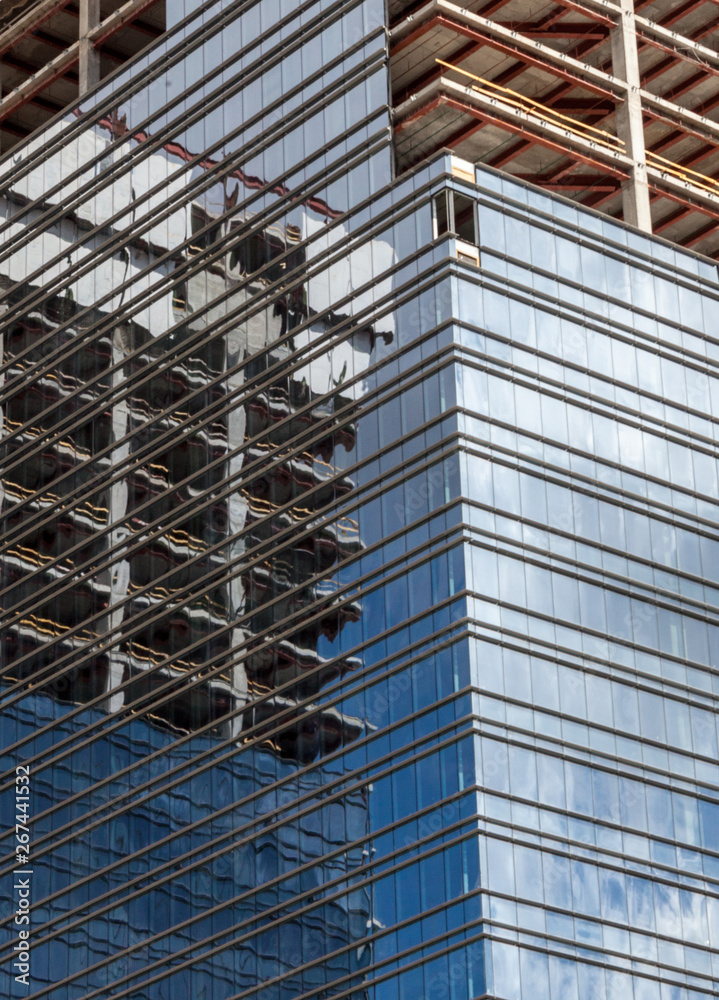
30	69
434	74
71	56
684	86
564	29
663	65
525	57
699	234
462	134
491	7
541	140
579	8
136	24
574	183
669	220
677	14
119	24
43	82
676	135
607	172
55	43
577	183
43	13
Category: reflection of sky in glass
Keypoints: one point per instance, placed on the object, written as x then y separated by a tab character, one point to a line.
483	604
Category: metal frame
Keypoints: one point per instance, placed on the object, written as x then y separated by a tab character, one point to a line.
586	68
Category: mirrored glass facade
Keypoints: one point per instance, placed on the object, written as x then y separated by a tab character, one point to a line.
358	559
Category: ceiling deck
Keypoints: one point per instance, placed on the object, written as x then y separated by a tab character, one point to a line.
531	88
40	53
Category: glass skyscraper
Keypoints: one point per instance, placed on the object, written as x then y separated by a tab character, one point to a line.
359	557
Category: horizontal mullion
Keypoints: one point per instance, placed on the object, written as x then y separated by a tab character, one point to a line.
569	478
259	826
332	695
95	117
260	465
279	920
257	305
559	445
281	454
383	669
156	612
247	474
587	756
286	626
217	173
597	666
586	573
579	947
585	400
193	264
709	369
562	847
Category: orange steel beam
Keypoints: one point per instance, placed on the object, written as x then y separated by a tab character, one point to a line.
646	40
542	140
480	39
523	58
676	135
551	99
606	170
502	158
687	207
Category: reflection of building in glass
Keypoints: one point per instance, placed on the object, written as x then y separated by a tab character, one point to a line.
217	462
358	609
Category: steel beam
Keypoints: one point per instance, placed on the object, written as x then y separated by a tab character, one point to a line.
26	24
57	66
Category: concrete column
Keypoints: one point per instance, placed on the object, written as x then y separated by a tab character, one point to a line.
625	66
89	56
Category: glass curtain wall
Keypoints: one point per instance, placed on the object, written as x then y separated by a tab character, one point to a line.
590	397
358	555
234	658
